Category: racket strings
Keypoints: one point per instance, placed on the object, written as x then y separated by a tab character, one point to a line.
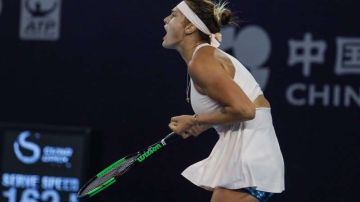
112	173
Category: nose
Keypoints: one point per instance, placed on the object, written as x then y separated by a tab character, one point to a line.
166	19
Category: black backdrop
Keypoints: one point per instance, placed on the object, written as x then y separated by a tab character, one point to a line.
108	71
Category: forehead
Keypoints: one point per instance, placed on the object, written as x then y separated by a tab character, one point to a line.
176	10
179	14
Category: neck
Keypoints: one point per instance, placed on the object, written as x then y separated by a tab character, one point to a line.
187	50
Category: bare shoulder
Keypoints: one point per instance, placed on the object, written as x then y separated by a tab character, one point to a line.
203	54
210	60
204	59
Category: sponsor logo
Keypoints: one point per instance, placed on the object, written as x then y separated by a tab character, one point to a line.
30	152
252	46
348	56
308	53
40	19
149	152
23	142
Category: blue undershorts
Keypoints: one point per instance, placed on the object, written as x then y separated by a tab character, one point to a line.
262	196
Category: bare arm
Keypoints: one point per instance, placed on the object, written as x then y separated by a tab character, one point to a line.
207	72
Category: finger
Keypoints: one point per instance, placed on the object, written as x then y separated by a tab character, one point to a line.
195	130
198	130
173	123
172	126
185	135
191	131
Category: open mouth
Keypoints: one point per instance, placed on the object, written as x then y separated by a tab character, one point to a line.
165	32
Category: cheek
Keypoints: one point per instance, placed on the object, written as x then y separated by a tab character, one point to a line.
175	31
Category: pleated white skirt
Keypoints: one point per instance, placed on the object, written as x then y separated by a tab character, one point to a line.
247	154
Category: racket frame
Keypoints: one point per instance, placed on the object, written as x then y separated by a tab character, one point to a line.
140	157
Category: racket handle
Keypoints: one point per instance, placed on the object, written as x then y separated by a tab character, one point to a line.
170	138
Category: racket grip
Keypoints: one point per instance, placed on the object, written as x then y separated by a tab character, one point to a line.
170	138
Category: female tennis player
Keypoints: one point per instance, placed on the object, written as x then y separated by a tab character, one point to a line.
246	164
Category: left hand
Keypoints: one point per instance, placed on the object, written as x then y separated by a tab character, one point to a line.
181	125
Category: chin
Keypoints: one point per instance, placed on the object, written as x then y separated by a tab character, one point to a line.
168	46
164	45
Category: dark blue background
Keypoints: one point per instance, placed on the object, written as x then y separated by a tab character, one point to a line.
108	71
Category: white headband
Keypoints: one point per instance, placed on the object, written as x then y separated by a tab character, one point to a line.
194	19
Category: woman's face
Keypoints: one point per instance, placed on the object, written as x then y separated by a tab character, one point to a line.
175	29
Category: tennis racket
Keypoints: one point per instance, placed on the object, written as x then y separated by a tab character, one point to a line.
110	175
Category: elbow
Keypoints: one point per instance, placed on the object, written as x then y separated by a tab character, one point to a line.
246	113
251	113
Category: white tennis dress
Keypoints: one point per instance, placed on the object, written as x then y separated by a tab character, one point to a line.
247	154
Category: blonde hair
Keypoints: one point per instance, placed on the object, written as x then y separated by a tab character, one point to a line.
214	15
219	10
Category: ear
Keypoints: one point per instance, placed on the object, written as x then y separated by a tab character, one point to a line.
190	28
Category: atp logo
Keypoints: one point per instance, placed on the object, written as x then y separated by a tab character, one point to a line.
22	143
40	20
252	46
38	9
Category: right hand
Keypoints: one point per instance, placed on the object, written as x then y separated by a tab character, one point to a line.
195	130
186	126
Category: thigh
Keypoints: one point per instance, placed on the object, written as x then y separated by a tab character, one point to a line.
227	195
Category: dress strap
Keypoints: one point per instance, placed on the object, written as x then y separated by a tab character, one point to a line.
200	46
